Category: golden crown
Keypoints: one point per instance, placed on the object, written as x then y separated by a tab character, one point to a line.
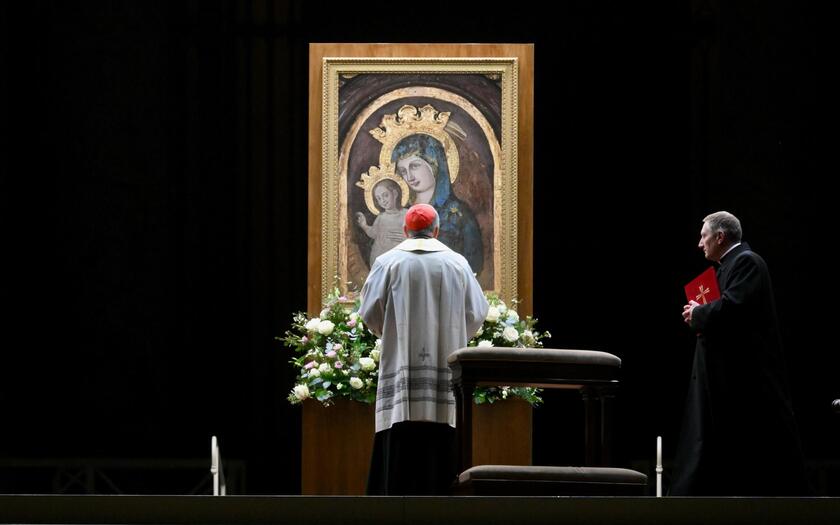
410	121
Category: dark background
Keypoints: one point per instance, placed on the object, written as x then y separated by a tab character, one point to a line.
155	185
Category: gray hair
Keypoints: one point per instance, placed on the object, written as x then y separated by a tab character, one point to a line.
723	221
427	232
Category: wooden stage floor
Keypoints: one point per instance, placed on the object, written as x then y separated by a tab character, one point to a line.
339	510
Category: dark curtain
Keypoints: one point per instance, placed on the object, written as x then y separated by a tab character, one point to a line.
155	204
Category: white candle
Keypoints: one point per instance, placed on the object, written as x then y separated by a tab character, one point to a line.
658	466
658	451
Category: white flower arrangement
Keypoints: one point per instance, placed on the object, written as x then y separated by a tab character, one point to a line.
334	354
337	356
504	328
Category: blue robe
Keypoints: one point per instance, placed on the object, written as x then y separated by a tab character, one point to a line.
458	227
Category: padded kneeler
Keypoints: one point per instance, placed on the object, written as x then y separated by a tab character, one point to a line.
513	480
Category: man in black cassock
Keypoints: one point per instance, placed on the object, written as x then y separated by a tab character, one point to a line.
739	435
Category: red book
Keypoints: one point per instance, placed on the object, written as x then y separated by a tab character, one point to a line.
704	288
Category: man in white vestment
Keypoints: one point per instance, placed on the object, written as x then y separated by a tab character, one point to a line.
423	300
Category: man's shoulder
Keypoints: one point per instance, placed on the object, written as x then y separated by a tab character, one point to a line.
455	256
389	257
422	244
396	257
744	251
747	258
400	257
457	262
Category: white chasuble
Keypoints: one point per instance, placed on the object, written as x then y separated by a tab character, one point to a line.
423	301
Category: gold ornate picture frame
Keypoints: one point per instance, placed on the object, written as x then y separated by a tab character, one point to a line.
379	110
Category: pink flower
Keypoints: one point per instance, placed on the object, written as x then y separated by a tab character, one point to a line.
330	354
338	364
342	298
304	340
351	323
309	365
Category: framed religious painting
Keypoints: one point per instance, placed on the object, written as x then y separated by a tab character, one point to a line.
391	125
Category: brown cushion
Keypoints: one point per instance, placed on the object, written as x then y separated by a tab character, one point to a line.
553	474
535	355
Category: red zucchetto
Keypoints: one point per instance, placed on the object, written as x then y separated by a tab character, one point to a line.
419	217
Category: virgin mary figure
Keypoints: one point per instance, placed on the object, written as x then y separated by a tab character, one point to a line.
420	160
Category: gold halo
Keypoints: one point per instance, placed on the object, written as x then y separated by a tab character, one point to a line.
373	177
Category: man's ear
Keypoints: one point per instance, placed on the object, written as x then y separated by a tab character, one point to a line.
405	230
436	232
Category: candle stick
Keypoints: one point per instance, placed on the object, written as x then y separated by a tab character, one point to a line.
658	451
658	466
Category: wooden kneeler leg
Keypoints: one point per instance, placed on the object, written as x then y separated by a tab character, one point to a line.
592	427
607	408
463	420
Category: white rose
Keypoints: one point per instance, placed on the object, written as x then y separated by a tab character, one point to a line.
356	383
339	386
484	343
528	336
325	327
513	316
367	363
324	368
325	312
493	314
375	355
510	334
312	324
314	373
378	344
502	308
301	392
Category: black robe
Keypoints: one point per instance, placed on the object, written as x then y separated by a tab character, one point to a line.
413	458
739	435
